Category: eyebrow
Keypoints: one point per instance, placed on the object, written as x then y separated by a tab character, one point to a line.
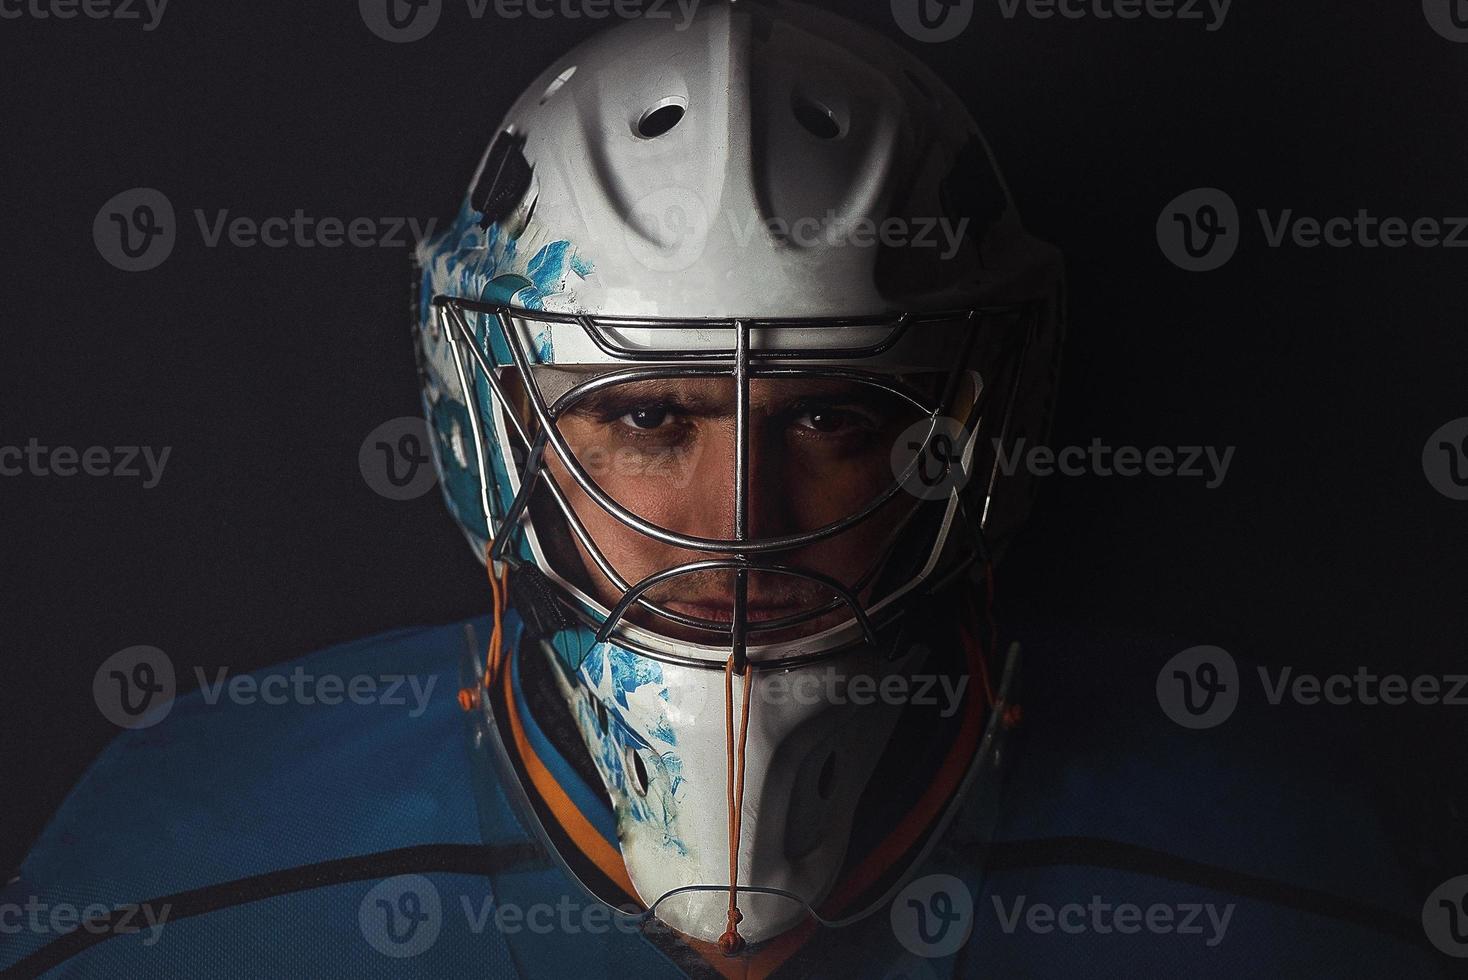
717	399
618	400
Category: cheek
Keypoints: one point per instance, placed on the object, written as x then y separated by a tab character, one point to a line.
650	481
631	553
828	493
629	482
850	554
846	556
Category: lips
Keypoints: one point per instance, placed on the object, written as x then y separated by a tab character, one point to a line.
723	612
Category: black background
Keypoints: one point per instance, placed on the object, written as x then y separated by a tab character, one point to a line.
264	369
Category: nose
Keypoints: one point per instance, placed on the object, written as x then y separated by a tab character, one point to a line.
770	492
768	495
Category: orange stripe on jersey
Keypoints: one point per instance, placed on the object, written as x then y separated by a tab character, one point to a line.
586	838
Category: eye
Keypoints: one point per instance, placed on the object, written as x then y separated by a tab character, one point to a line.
822	420
829	421
646	417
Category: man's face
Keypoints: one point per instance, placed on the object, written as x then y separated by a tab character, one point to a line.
819	451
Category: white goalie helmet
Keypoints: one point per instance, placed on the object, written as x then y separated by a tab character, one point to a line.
780	241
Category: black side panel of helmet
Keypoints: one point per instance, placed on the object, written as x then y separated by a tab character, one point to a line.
504	181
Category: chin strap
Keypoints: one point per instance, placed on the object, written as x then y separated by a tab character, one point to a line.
469	697
731	942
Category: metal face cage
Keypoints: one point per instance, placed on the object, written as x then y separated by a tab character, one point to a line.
741	350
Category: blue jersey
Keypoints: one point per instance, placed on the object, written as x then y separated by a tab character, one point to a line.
375	836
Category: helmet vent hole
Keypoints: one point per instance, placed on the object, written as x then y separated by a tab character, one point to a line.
826	781
601	714
555	86
660	119
817	119
638	771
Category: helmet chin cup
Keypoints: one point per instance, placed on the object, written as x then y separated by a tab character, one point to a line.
700	912
696	909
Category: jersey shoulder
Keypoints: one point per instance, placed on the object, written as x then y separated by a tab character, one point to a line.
1259	816
354	751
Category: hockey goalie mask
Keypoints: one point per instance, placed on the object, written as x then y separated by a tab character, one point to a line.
717	357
